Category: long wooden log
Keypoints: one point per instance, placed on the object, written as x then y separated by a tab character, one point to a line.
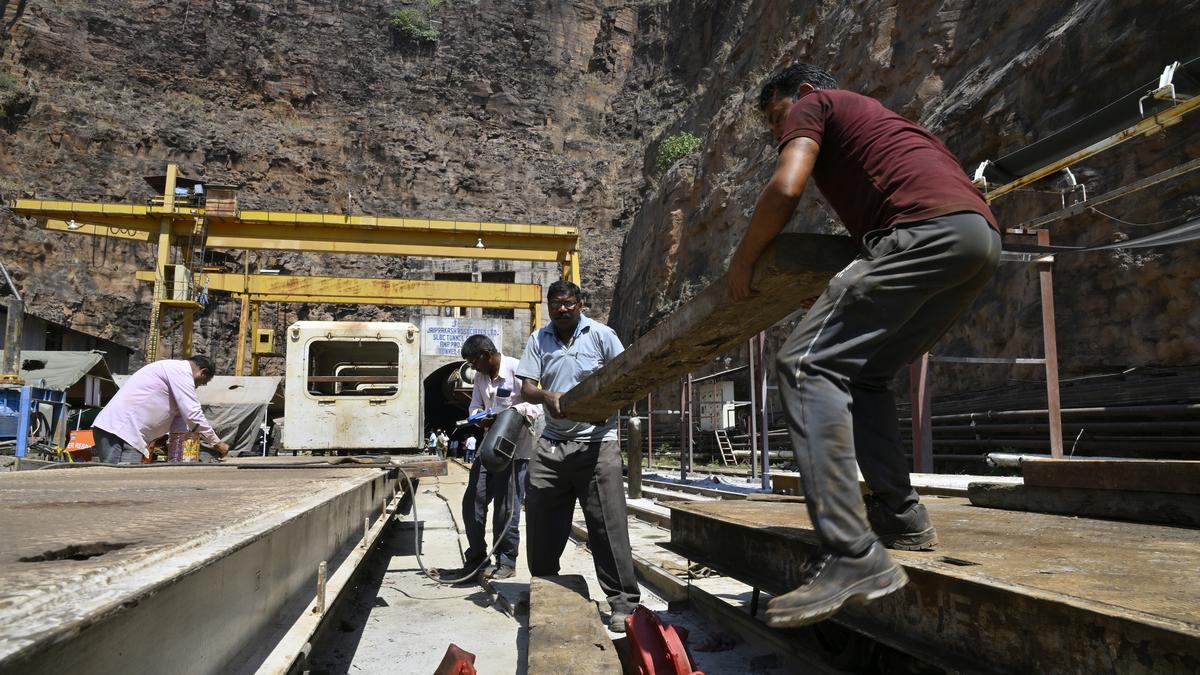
792	272
1144	475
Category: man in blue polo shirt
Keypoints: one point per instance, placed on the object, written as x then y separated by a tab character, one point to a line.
575	460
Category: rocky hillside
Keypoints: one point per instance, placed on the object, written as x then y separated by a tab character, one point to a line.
318	105
553	112
988	78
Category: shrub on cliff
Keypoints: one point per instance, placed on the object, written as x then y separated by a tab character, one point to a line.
14	96
414	25
9	82
676	147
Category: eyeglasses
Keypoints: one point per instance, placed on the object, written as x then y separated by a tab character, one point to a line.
563	304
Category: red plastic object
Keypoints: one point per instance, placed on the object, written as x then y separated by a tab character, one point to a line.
457	661
657	648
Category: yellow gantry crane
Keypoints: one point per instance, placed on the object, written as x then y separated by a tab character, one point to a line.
192	217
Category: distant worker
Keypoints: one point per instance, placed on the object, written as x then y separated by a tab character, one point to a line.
455	444
443	443
469	449
158	398
496	389
576	460
431	442
929	244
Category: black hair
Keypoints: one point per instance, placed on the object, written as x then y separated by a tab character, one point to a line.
203	363
476	346
563	286
787	82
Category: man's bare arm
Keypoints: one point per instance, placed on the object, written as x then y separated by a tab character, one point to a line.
774	209
532	393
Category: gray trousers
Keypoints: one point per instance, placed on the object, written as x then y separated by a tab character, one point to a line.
835	370
561	472
112	449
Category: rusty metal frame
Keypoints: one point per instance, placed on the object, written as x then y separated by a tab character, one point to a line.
922	432
919	376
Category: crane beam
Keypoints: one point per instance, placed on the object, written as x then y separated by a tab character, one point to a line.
347	290
184	221
314	232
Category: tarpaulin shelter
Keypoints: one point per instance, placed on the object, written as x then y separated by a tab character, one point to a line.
82	375
236	407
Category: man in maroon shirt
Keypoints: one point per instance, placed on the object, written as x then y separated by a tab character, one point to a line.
929	244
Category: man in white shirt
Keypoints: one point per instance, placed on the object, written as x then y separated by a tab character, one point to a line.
496	389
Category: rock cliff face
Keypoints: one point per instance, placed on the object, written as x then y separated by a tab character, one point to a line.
311	106
551	112
988	78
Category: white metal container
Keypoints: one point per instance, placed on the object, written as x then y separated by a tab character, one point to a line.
353	386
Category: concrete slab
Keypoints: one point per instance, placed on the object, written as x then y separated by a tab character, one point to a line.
952	485
1006	591
97	560
398	620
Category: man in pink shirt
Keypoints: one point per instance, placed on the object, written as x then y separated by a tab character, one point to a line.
158	398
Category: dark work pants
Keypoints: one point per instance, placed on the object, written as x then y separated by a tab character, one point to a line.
112	449
561	472
505	497
835	370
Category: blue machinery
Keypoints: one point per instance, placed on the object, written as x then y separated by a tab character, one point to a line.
21	407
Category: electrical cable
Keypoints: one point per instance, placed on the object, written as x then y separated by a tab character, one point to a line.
1132	224
416	597
512	498
1187	232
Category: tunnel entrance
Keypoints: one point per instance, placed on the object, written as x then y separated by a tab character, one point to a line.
447	395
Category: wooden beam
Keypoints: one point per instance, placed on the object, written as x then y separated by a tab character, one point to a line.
565	632
1140	475
1168	508
793	271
